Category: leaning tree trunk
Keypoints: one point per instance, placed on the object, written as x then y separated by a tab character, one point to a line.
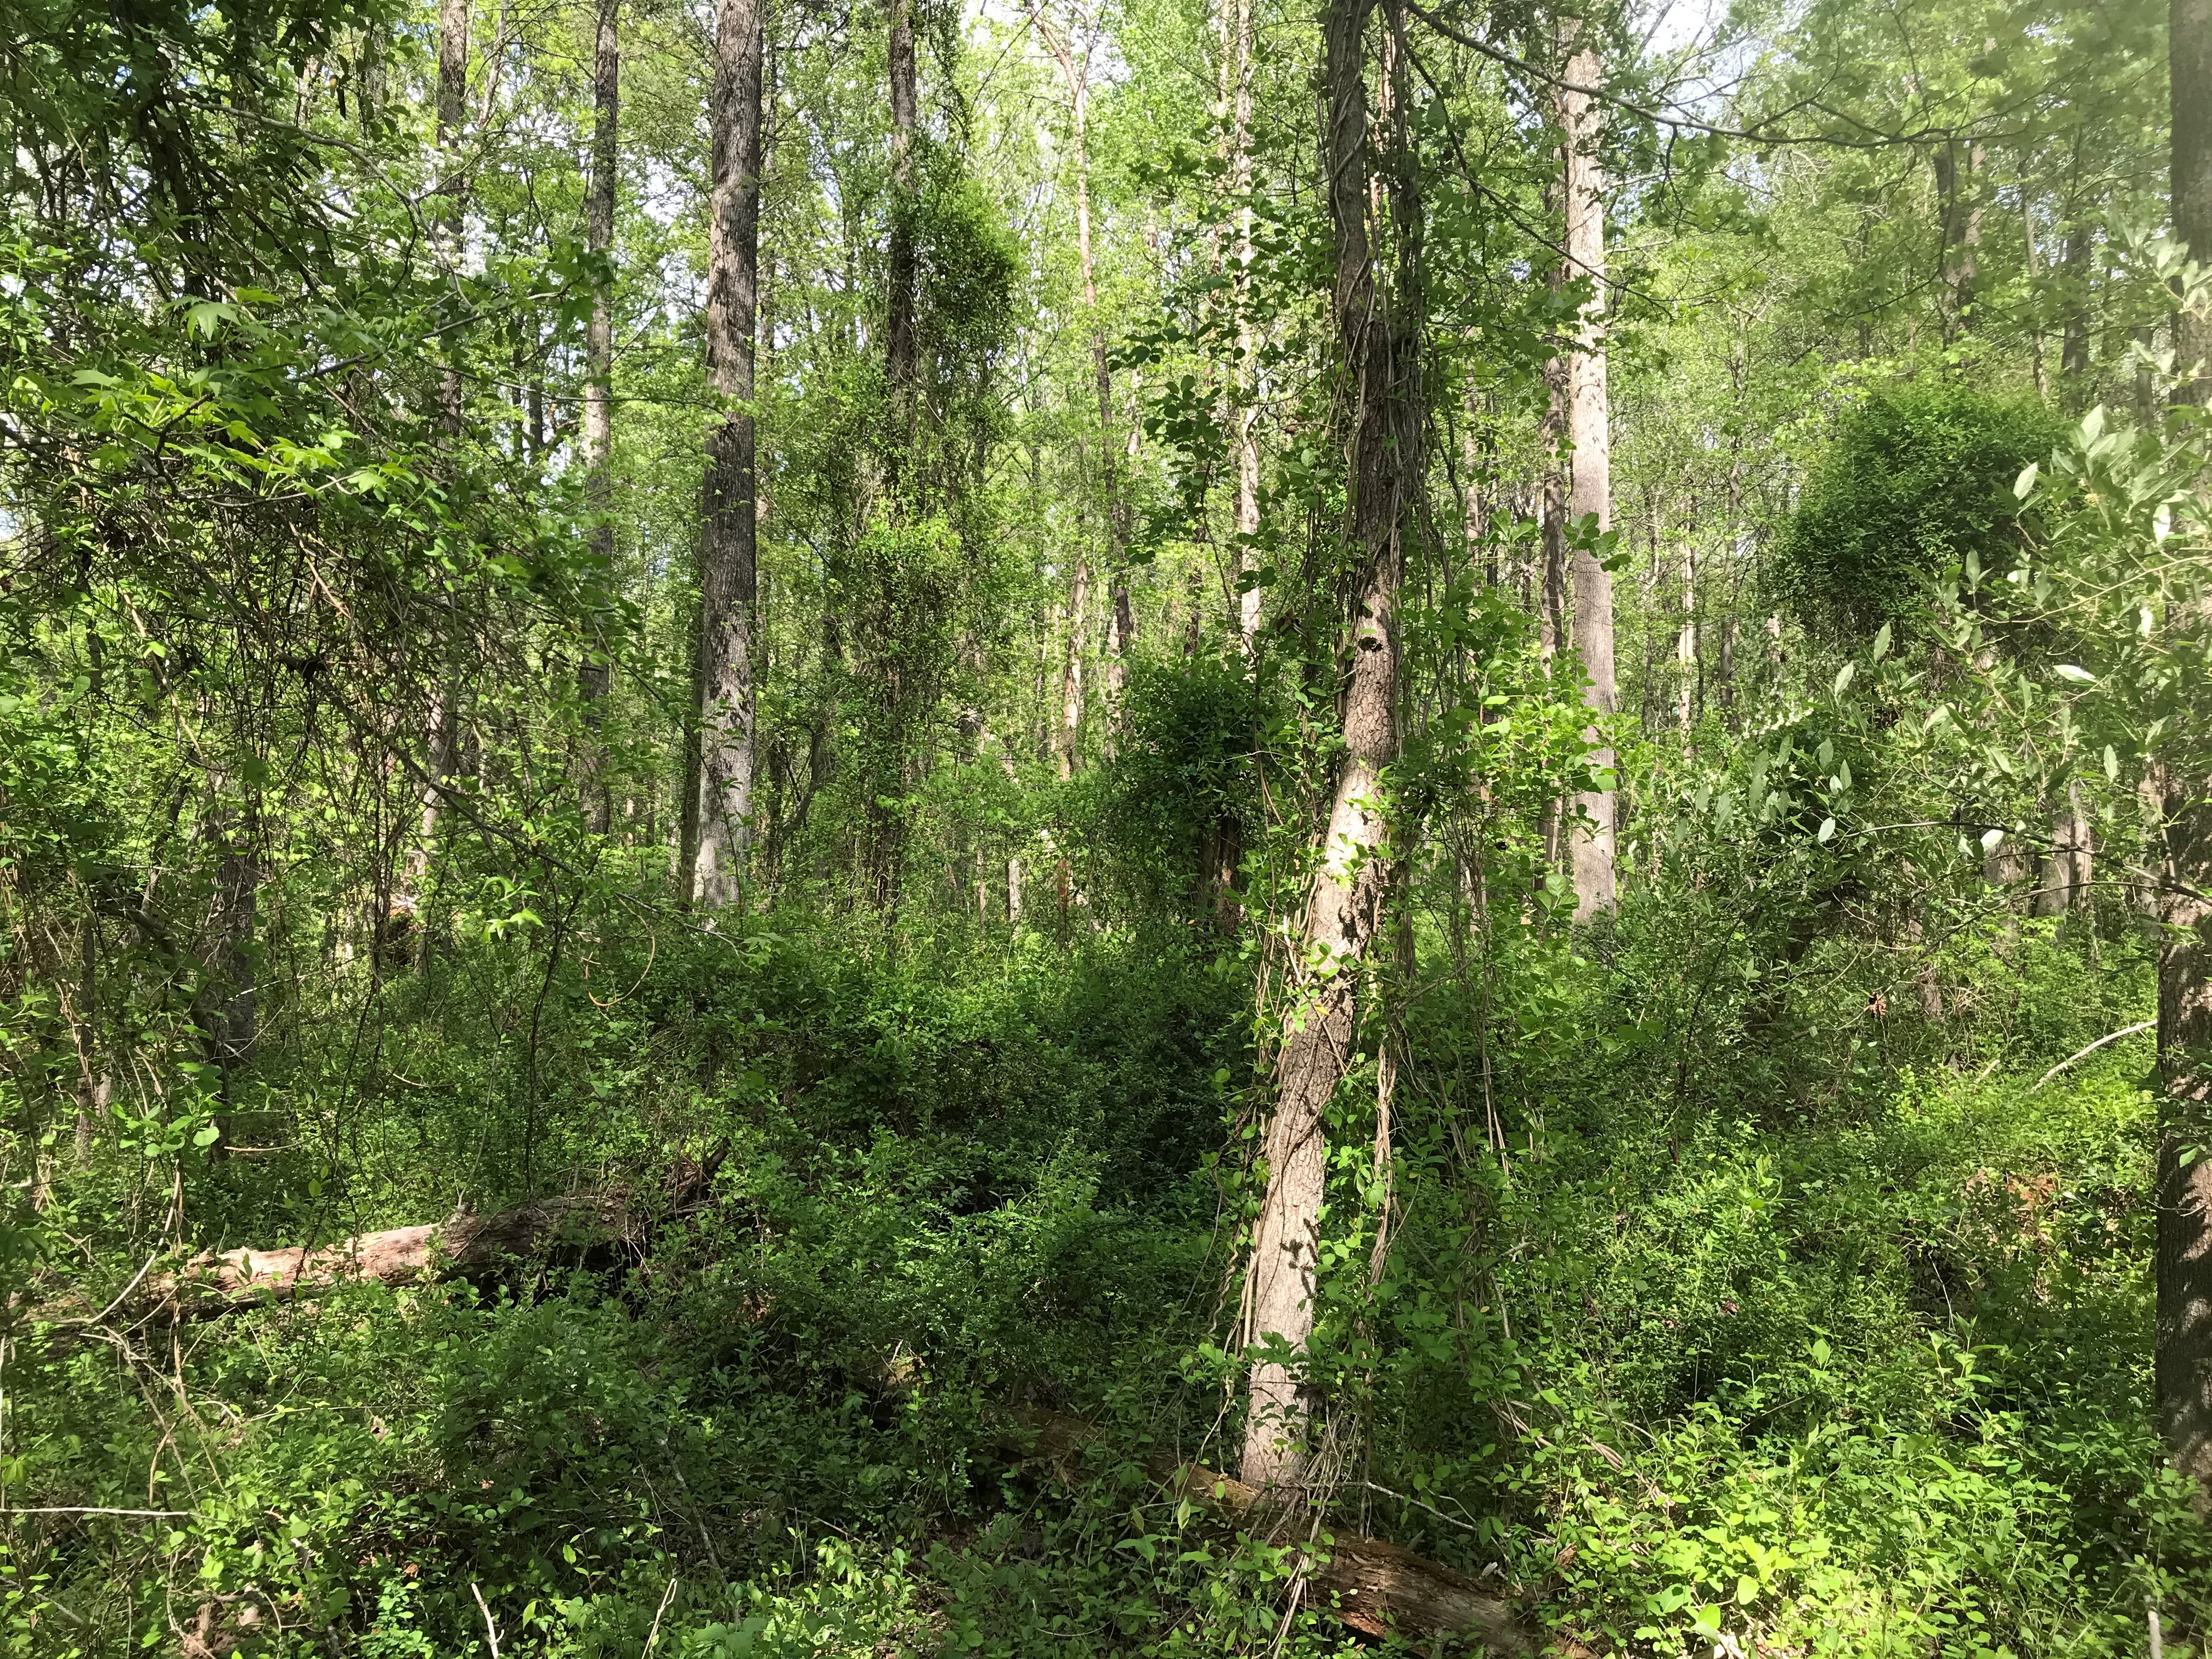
729	559
598	406
1590	490
1379	346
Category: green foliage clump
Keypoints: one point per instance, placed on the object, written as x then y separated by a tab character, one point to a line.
1919	479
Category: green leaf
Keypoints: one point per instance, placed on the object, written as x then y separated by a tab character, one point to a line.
1881	642
2067	670
2111	764
1843	677
1827	832
2024	485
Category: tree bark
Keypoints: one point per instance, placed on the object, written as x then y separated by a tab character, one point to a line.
2067	867
1590	493
2184	1357
1236	78
902	341
441	727
1379	345
2188	24
592	677
729	560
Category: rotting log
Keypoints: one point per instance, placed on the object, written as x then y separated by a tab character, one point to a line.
465	1247
1373	1585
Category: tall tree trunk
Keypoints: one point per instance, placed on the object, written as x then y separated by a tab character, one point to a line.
902	341
1069	727
2190	56
598	405
1582	184
1379	343
1236	75
2184	1360
2185	1171
729	556
1958	192
441	727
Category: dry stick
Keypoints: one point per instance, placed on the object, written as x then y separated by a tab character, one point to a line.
2132	1030
490	1629
156	1515
653	1635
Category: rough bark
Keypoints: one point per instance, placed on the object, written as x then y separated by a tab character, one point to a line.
1590	491
2068	864
2183	1357
598	405
729	554
1236	80
2190	57
1378	350
902	341
441	723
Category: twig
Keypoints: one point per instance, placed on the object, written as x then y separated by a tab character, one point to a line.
2084	1054
653	1635
151	1515
1418	1504
490	1629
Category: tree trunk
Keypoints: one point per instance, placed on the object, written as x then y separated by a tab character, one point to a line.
1583	181
1379	346
1237	75
598	407
441	723
2190	56
2067	867
729	558
901	343
2184	1171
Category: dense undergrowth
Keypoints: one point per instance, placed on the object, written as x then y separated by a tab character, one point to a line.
1851	1356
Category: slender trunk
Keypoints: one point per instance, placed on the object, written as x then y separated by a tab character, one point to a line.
2184	1357
1379	343
2074	346
902	344
2190	56
2066	867
1685	644
1957	190
2184	1171
598	407
729	561
1591	495
444	701
1071	671
1237	71
2034	256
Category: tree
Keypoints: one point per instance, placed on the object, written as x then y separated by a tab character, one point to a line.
1377	336
598	395
729	550
1590	495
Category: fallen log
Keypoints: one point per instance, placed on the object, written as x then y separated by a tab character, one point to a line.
464	1247
1373	1585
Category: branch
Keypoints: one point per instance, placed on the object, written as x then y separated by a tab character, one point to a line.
2084	1054
1883	140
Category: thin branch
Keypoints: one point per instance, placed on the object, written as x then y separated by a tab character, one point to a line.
2084	1054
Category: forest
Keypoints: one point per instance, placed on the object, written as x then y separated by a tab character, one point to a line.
1282	828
